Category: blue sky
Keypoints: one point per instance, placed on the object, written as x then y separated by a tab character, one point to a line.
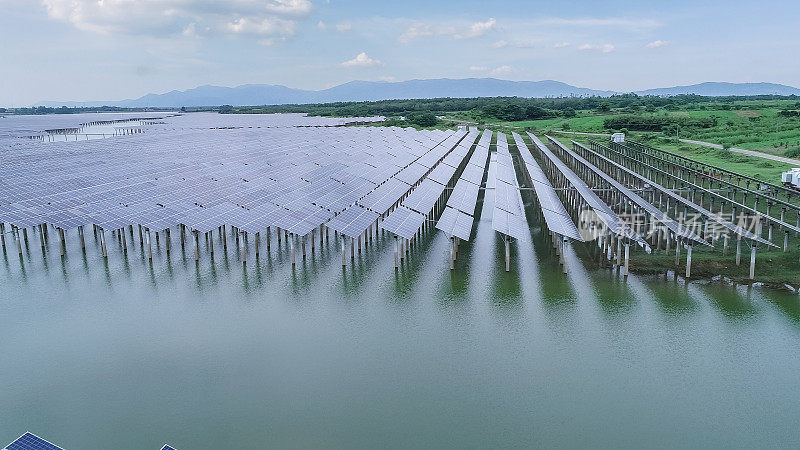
116	49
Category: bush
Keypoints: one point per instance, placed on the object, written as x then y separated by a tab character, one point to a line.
793	152
423	119
660	123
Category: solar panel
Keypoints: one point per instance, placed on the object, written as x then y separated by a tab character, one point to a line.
455	223
353	221
464	197
403	222
30	441
167	447
423	198
442	174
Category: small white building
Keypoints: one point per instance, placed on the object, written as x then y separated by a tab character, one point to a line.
618	137
791	178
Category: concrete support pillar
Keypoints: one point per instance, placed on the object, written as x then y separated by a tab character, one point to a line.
753	261
395	253
627	259
344	253
243	247
452	253
508	254
196	235
149	245
291	246
124	242
689	262
739	250
258	243
103	243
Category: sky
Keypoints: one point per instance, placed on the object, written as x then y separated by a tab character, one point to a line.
92	50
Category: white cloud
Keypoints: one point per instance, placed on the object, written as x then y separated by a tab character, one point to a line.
362	60
529	43
416	30
476	29
265	19
387	78
478	68
605	48
502	70
344	26
656	44
561	45
321	26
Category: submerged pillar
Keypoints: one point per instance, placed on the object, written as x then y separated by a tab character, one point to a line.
689	262
508	256
627	258
753	261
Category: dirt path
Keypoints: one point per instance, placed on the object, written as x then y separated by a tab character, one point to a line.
746	152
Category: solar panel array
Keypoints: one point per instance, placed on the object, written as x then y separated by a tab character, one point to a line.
555	214
609	218
677	228
508	216
251	178
428	191
458	216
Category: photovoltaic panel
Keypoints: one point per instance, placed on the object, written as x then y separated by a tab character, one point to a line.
423	198
30	441
555	214
403	222
411	174
442	174
473	174
353	221
611	220
455	223
464	197
385	196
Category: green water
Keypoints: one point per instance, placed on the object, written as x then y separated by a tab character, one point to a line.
128	354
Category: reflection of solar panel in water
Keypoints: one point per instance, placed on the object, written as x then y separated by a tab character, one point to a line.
403	222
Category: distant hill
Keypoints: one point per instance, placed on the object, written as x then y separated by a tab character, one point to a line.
265	94
725	89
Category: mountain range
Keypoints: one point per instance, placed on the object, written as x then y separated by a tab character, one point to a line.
265	94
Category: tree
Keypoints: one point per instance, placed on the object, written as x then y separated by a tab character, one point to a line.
604	107
512	113
423	119
534	112
225	109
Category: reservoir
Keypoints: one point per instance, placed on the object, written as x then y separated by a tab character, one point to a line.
129	353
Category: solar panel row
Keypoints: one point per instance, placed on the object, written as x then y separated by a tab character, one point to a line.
555	214
508	217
